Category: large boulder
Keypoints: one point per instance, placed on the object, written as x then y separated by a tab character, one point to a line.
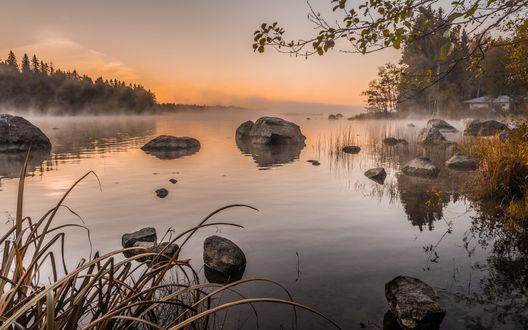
270	131
17	134
484	127
422	167
171	147
432	136
462	162
376	174
414	303
441	125
223	256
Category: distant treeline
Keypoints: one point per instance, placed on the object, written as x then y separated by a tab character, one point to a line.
34	85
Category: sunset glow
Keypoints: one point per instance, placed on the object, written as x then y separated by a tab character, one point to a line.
186	51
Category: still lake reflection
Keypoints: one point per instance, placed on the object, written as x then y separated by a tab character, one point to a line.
327	233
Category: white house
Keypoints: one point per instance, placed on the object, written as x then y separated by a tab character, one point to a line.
502	102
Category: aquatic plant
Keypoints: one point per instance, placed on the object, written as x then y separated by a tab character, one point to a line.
107	291
503	172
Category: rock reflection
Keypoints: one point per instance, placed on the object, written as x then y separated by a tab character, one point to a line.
216	277
12	163
270	155
172	154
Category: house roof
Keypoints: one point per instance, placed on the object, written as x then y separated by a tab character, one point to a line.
487	100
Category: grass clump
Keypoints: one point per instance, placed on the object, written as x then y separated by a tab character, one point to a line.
107	291
503	173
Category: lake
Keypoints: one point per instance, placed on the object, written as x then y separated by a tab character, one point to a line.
328	234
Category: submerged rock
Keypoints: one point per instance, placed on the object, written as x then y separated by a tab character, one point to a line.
17	134
462	162
351	149
422	167
166	249
173	181
171	147
314	162
270	131
143	235
392	141
484	127
376	174
223	256
414	303
162	193
410	125
441	125
216	277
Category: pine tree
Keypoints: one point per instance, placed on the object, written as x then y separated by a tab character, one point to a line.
35	63
44	68
12	60
25	64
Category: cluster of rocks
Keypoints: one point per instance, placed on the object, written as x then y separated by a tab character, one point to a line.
224	261
434	134
337	116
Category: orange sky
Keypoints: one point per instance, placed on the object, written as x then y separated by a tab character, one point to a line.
186	51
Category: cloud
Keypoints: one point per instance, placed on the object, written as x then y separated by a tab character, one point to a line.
69	55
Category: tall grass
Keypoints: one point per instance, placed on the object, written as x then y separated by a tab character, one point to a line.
503	173
107	291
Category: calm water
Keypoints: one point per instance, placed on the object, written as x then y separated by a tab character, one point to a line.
328	234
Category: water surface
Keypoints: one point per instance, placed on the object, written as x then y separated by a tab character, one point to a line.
327	233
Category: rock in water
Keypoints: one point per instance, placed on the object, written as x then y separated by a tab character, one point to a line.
17	134
171	147
270	131
392	141
376	174
332	117
351	149
441	125
167	250
143	235
223	256
462	162
162	193
243	131
173	181
421	166
414	303
432	136
484	128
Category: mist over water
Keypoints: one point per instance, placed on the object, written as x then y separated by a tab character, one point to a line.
327	233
